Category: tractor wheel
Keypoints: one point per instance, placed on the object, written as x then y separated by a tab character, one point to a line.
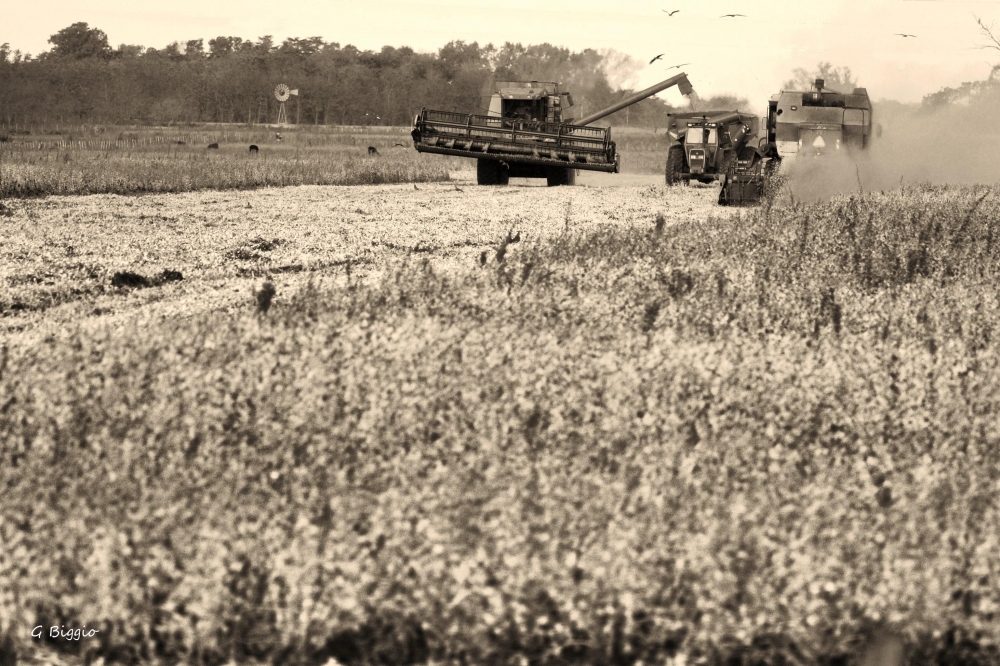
675	164
559	176
491	172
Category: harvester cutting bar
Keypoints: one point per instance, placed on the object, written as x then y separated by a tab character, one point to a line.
489	137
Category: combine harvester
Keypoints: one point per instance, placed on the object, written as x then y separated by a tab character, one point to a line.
528	134
713	145
816	124
820	122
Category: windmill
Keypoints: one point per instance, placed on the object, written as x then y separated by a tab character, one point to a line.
282	93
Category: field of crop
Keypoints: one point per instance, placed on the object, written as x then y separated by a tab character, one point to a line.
523	425
143	160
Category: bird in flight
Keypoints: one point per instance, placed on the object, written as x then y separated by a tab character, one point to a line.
669	13
656	58
732	15
678	66
903	34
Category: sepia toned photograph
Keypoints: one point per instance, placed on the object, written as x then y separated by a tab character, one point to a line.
500	333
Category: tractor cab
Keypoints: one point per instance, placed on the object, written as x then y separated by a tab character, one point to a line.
701	143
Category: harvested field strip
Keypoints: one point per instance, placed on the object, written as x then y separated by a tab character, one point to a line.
765	438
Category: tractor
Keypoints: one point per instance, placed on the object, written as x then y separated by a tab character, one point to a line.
719	145
705	142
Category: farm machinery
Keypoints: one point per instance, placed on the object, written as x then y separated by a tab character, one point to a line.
528	133
713	145
720	145
819	122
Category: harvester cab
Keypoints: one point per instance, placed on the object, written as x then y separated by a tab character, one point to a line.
530	102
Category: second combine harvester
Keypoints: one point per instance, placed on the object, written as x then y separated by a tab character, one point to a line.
527	133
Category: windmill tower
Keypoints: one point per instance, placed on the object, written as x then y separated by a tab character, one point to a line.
282	93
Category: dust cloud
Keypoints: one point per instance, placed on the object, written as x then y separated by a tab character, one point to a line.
958	144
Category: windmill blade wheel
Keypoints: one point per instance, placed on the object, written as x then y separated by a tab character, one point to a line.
281	92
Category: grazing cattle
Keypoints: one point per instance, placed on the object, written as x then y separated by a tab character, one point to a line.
253	150
182	143
277	135
372	150
213	146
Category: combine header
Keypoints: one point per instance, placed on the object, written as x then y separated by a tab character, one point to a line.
527	133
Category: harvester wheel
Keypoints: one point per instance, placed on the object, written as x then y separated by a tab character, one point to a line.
560	176
491	172
675	164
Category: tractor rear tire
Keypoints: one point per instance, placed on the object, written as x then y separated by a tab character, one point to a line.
559	176
675	164
491	172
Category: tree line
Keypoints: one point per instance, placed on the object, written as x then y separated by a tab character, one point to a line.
82	79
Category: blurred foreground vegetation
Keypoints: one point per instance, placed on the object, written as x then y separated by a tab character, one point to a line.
754	441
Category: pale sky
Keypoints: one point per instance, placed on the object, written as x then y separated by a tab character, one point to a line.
749	56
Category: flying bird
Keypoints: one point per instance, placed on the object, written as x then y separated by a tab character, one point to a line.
669	13
656	58
732	15
449	83
903	34
677	66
